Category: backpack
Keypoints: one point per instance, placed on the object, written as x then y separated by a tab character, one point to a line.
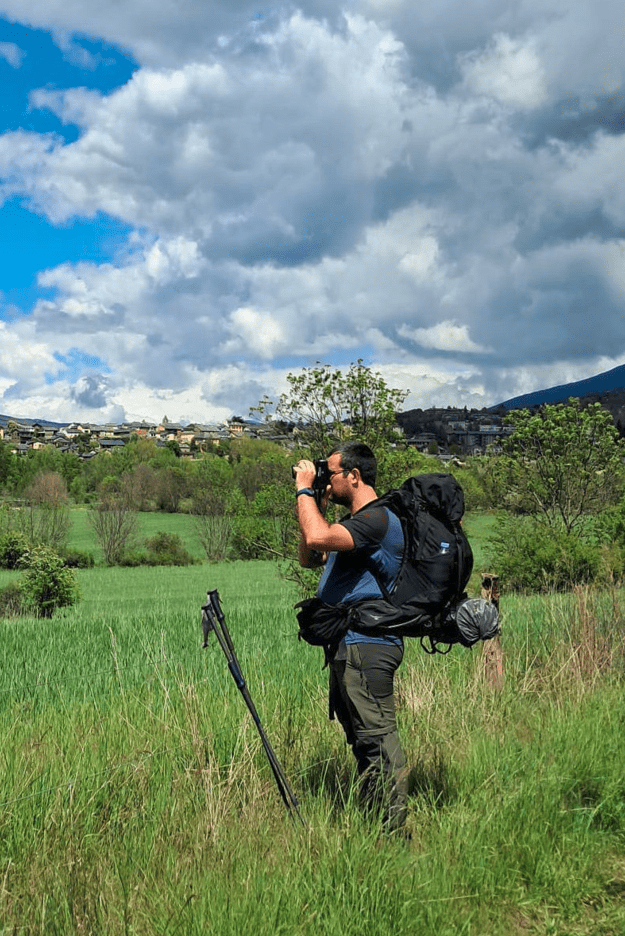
427	598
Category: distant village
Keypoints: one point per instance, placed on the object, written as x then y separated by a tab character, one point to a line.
443	432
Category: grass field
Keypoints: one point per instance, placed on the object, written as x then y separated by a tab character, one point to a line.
82	536
136	797
477	525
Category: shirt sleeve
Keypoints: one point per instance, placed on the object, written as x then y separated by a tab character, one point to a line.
367	527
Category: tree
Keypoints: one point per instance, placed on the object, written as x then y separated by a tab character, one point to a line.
212	489
171	487
48	516
328	405
265	528
562	463
6	460
47	487
139	486
114	523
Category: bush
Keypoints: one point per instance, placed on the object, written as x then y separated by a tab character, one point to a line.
77	559
13	546
531	555
168	549
134	558
47	583
11	600
164	549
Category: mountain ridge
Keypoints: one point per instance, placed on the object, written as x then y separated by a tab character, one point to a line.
604	383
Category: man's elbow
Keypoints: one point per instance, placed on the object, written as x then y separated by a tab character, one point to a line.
314	544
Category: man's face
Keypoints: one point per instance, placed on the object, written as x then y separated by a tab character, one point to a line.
340	488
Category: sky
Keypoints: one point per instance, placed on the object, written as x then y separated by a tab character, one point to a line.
200	197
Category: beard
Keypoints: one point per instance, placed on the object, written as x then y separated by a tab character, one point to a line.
341	500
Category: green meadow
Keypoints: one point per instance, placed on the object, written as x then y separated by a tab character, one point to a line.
150	523
136	797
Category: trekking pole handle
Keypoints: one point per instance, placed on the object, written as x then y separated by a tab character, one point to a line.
213	597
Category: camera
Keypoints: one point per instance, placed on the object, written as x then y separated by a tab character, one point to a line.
322	475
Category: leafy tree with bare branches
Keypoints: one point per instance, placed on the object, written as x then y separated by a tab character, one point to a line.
115	523
327	405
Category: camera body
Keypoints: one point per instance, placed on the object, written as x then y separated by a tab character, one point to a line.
322	475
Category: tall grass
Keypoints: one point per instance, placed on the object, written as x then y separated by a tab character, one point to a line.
136	798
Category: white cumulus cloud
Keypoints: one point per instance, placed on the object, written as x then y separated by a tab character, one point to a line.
444	336
509	71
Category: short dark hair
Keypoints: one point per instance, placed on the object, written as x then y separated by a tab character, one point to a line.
358	455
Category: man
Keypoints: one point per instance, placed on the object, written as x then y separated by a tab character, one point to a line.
362	668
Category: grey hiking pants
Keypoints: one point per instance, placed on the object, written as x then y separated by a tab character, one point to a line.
361	697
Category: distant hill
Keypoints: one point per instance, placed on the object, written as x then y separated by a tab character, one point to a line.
609	382
5	420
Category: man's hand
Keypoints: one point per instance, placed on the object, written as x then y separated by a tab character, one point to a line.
305	477
305	474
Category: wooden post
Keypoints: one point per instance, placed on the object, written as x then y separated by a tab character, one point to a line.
492	652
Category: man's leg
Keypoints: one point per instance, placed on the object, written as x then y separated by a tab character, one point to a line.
362	698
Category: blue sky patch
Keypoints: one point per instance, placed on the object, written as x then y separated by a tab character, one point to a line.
35	245
74	364
29	59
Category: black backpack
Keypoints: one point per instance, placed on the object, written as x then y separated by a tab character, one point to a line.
428	598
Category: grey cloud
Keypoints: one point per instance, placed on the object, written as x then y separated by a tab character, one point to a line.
91	391
237	392
575	120
52	318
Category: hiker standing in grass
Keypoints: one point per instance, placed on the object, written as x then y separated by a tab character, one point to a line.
362	668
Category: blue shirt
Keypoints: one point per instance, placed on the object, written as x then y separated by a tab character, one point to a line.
379	542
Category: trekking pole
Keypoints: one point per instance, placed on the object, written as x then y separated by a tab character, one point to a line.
213	620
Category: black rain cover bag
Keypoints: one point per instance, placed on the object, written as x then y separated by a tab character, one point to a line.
321	624
476	619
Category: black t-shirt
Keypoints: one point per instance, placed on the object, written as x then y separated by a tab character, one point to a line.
378	541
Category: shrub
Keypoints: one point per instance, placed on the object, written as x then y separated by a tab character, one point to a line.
13	546
164	549
134	558
168	549
532	555
77	559
47	583
11	600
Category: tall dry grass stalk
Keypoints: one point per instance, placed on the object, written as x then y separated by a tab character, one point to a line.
596	632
